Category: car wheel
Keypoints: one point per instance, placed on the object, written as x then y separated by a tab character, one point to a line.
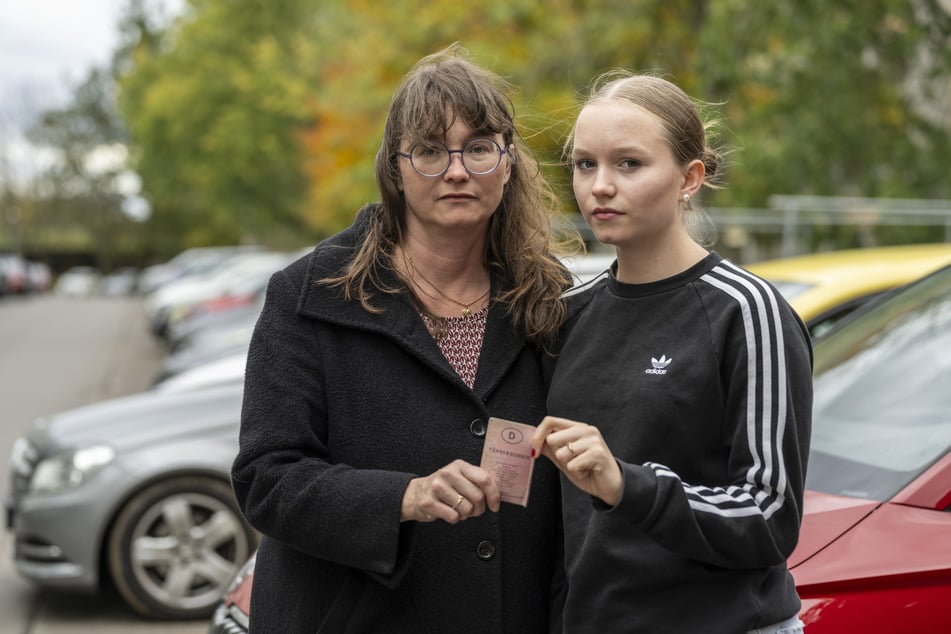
176	545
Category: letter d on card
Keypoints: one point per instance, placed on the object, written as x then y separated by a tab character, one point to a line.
507	455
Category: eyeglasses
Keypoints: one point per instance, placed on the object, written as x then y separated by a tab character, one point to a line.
479	157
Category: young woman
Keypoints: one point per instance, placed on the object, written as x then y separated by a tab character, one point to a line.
680	397
374	367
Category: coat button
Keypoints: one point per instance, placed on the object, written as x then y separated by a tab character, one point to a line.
485	550
477	428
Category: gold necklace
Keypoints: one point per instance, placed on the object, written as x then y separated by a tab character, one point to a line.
466	307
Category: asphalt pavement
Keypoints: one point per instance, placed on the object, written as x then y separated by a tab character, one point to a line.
57	353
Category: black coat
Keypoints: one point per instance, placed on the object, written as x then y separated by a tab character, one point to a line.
341	409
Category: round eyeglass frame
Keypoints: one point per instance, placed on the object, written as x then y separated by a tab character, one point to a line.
462	157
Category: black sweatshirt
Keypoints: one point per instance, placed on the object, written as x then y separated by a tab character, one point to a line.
701	385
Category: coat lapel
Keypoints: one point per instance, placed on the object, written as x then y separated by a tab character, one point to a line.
399	320
501	347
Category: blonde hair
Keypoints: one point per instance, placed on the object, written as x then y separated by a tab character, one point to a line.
686	131
521	235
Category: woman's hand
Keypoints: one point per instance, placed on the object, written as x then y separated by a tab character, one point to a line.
579	451
454	493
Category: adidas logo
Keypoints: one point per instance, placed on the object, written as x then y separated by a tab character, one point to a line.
659	365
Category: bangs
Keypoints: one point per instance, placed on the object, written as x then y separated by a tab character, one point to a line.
439	95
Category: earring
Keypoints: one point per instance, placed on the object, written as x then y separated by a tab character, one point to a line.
686	198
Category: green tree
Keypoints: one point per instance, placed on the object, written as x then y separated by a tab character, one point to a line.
248	122
213	105
78	192
832	98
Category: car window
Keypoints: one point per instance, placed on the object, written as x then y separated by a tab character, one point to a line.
882	409
789	289
824	323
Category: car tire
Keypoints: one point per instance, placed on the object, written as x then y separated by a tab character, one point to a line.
176	545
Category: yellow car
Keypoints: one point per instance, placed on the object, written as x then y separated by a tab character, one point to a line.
824	287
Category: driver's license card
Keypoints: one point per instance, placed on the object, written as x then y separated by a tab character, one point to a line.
507	455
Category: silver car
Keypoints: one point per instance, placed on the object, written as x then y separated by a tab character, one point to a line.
134	490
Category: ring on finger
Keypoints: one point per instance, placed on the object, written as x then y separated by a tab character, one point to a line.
458	502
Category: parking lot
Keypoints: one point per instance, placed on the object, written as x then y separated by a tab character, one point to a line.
58	353
873	550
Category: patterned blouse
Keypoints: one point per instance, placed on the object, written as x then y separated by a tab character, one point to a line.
461	341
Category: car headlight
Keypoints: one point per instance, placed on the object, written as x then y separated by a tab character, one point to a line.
22	457
70	469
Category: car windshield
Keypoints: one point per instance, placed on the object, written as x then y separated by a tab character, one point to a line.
882	410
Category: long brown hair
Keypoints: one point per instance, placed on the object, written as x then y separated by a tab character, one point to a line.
521	240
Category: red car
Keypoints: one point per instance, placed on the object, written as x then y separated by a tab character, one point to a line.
874	553
232	614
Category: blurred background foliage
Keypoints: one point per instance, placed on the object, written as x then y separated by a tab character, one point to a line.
259	121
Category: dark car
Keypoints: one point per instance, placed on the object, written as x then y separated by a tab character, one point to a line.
13	274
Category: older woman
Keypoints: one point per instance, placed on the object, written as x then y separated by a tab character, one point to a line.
374	367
